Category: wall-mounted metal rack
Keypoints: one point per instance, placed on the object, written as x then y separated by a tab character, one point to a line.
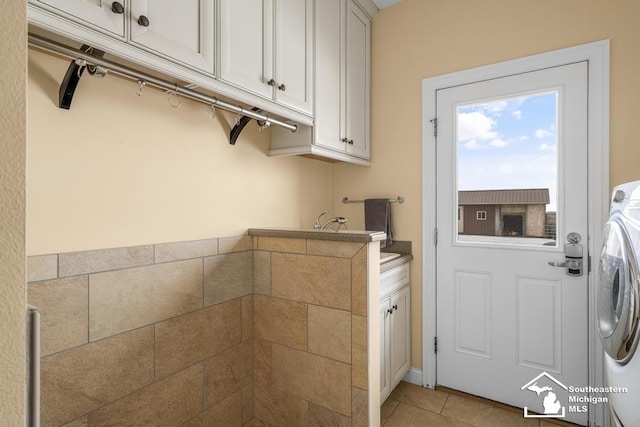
92	60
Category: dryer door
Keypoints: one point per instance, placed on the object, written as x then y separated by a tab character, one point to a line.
618	293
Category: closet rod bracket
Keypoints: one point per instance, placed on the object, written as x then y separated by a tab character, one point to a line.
239	127
72	77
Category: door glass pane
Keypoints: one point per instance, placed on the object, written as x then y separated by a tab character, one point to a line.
507	170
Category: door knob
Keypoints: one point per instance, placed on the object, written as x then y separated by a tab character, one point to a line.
117	8
143	21
570	263
282	87
573	256
271	82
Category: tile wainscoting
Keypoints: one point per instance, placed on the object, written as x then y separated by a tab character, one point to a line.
225	331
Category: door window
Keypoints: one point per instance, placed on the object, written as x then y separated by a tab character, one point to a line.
507	163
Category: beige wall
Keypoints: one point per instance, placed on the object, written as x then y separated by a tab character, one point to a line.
416	39
121	170
116	169
13	63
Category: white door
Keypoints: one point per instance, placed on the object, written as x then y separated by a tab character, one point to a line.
504	315
329	65
246	43
400	335
182	31
293	53
100	14
385	342
358	81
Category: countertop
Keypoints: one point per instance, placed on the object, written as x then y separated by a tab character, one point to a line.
396	254
391	262
340	236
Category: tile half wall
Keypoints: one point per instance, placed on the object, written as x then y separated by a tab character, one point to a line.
225	331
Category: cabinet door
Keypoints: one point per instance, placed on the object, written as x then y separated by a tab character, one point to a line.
329	67
400	345
358	79
182	31
246	41
293	53
94	13
385	386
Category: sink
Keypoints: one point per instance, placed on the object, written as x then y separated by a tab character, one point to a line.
388	256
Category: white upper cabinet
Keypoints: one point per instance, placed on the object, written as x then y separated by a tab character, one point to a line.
304	60
266	48
342	81
105	16
358	81
180	30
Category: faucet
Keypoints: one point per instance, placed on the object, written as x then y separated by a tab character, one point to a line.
317	225
340	220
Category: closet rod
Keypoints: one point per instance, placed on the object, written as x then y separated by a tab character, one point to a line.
72	53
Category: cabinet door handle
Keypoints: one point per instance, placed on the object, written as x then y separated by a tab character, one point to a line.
271	82
282	87
351	142
390	311
117	8
143	21
395	307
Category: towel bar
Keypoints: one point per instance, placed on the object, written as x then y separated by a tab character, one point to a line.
399	199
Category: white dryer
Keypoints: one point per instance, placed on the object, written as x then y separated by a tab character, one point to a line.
618	303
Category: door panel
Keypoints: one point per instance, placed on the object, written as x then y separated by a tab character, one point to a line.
246	42
358	81
473	313
183	31
293	50
95	13
400	321
539	344
513	151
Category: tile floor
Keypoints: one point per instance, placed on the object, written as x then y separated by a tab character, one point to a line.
410	405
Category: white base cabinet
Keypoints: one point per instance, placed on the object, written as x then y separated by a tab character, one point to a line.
395	328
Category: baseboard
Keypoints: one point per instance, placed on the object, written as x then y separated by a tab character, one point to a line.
414	376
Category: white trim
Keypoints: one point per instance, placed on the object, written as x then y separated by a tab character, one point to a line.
414	376
597	55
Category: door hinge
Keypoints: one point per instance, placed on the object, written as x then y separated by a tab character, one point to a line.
435	126
435	237
588	263
435	344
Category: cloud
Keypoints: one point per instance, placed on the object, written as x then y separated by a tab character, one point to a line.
548	147
517	114
472	145
475	125
498	143
541	133
496	107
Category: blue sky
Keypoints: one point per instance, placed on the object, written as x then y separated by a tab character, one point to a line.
509	143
